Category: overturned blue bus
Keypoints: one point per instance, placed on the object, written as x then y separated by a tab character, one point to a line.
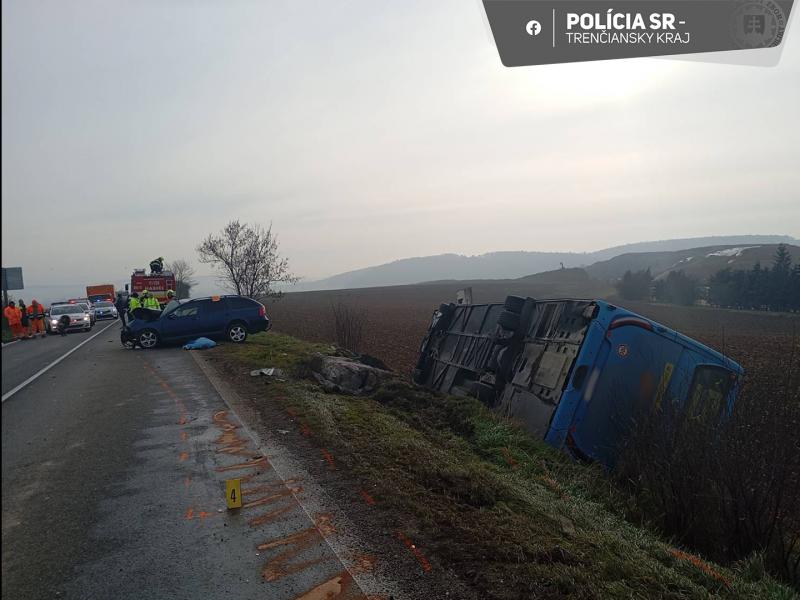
574	372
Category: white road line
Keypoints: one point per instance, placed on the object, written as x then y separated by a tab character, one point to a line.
35	376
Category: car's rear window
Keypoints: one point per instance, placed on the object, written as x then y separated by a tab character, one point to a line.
66	309
238	302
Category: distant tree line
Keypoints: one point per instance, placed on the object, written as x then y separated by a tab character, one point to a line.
762	288
635	285
675	288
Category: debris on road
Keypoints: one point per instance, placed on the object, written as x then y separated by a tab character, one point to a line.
200	343
273	372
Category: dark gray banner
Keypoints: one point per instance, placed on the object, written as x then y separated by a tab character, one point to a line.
536	32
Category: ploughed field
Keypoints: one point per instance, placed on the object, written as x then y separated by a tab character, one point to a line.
396	319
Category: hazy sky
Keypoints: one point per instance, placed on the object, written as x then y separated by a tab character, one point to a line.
366	132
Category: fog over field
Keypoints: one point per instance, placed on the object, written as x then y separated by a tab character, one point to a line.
133	130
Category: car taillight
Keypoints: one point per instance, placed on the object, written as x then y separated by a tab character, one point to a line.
262	312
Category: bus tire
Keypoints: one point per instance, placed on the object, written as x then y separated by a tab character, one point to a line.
508	320
514	304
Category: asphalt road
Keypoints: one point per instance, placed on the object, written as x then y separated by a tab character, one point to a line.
114	464
23	359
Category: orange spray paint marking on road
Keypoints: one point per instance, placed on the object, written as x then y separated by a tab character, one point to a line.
190	514
221	416
187	482
272	498
291	412
367	498
184	435
229	439
250	464
239	451
329	459
363	564
183	456
279	566
324	525
269	487
269	517
336	587
170	392
426	566
306	430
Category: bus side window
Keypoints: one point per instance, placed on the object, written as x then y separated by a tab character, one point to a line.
710	386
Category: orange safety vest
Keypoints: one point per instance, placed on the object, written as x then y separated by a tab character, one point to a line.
13	315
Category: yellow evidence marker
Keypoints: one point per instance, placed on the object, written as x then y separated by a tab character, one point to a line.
233	493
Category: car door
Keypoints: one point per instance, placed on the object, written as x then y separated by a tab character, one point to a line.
216	317
185	321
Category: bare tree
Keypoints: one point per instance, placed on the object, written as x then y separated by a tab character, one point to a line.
247	259
184	277
348	326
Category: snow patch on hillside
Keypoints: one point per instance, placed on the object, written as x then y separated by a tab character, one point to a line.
732	251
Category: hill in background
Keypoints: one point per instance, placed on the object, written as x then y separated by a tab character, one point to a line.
512	265
699	263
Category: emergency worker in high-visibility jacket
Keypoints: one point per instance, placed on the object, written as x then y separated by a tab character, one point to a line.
36	317
24	320
149	301
172	303
14	318
134	304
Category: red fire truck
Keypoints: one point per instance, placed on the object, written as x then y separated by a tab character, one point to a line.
155	283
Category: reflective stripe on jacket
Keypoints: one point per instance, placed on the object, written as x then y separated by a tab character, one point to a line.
37	313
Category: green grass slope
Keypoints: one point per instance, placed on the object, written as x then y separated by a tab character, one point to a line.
509	515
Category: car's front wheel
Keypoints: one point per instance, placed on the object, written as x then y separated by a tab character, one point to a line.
237	333
147	339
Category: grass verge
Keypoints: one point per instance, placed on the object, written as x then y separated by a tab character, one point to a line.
509	515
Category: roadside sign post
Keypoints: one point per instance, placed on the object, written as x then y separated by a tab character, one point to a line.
12	280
